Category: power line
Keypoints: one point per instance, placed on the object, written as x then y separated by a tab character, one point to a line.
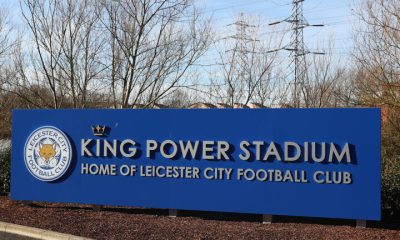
247	3
241	5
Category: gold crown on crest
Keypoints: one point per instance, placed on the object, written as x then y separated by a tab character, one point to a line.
99	130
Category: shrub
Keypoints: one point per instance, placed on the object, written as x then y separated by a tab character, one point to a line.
391	167
391	186
5	169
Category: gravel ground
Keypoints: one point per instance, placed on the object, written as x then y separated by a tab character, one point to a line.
137	223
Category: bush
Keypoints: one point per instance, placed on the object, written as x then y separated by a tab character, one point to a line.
391	167
5	169
391	187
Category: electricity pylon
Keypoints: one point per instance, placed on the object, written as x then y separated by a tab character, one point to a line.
297	47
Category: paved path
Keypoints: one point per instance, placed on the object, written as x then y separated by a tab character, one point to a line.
9	236
9	231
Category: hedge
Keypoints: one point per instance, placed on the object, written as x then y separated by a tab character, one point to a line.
5	166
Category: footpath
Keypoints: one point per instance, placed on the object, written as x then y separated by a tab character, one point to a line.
9	231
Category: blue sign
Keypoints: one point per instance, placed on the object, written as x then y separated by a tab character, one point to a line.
297	162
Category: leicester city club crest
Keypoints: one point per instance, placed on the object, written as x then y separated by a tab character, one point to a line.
47	153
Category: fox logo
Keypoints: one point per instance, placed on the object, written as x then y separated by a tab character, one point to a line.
47	151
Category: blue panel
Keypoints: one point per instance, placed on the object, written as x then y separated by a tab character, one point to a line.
358	130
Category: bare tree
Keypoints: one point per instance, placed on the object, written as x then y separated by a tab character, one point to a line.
5	38
68	48
345	92
9	42
378	52
179	98
324	76
153	45
246	66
